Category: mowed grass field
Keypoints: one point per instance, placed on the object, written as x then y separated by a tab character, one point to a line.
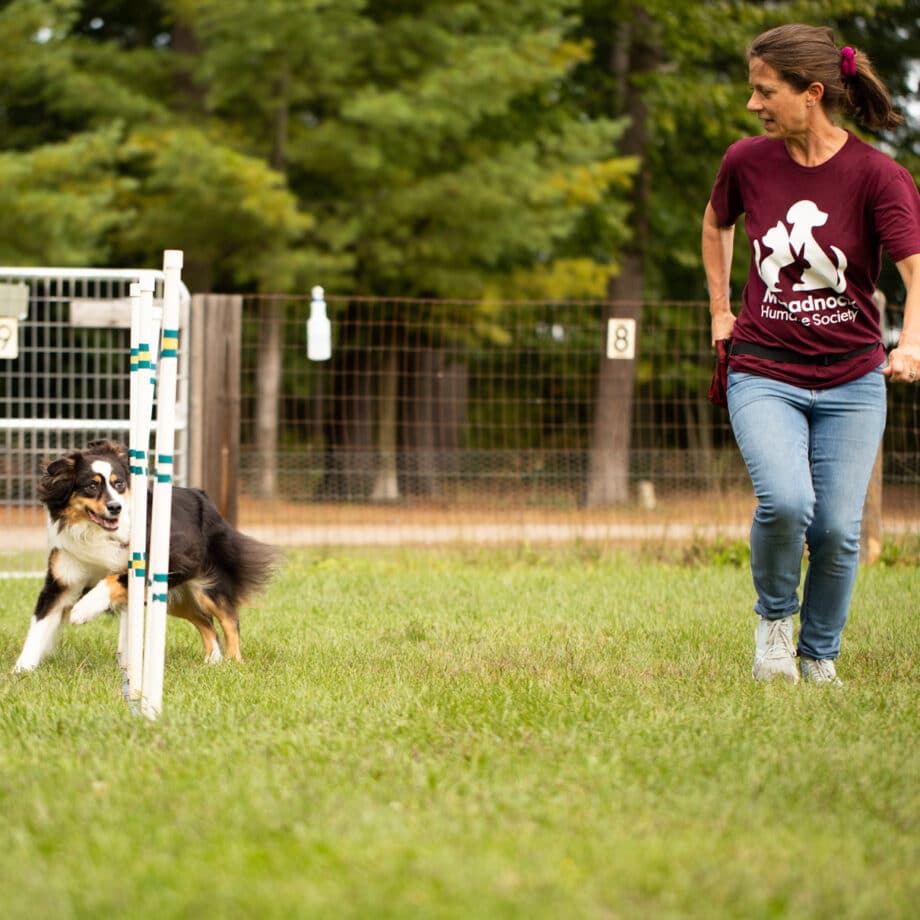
540	733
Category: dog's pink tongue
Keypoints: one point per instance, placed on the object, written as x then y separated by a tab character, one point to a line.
104	523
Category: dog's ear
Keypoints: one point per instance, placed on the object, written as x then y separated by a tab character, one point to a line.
56	482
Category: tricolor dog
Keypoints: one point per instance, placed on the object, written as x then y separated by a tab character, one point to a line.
212	566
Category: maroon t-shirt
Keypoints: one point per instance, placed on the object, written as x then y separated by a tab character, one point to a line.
816	235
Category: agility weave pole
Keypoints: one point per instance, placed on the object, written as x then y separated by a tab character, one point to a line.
142	640
143	377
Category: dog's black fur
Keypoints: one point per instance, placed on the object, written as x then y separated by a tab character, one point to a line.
212	566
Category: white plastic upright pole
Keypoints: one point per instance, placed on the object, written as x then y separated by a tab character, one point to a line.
143	354
158	579
133	402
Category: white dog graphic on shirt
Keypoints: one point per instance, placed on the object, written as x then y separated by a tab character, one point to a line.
799	244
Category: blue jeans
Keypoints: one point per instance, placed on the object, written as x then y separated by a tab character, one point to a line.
810	455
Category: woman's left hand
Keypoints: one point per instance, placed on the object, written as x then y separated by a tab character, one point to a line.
904	361
904	364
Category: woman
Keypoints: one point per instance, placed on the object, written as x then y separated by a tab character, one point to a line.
806	379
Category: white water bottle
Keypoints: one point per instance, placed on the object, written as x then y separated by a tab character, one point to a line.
319	329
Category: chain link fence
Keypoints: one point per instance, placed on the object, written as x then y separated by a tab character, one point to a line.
432	421
453	420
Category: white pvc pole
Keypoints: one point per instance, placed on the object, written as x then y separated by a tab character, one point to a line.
133	402
143	355
157	585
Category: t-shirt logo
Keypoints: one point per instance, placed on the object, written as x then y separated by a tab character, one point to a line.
796	245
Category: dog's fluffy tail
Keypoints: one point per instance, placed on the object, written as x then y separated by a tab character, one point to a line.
204	545
254	564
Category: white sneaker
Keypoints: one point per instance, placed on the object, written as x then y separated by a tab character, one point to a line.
820	671
774	653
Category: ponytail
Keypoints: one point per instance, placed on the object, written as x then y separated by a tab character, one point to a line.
866	96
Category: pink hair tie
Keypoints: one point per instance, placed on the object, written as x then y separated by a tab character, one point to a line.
847	62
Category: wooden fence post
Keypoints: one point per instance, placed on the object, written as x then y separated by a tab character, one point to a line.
214	400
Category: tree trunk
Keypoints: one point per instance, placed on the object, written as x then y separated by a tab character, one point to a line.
609	451
349	460
696	422
608	457
419	421
386	483
451	418
268	396
268	384
197	272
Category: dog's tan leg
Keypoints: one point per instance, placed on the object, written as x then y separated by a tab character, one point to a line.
203	623
229	620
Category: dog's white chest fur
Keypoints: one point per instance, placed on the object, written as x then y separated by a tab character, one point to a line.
86	552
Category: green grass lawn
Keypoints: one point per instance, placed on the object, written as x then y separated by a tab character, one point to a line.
490	733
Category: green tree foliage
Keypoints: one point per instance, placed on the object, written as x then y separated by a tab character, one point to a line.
58	202
400	148
421	149
696	98
426	139
214	200
891	38
104	163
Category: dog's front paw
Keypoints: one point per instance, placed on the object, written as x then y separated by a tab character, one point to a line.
80	613
24	665
90	606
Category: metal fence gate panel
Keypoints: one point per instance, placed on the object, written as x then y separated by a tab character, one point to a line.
64	380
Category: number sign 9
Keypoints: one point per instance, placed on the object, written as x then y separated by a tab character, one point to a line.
9	338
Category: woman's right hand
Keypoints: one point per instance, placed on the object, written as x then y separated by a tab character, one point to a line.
723	325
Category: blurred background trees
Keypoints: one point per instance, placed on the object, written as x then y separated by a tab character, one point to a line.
483	151
394	148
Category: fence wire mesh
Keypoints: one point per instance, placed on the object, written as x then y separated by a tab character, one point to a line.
434	421
443	420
